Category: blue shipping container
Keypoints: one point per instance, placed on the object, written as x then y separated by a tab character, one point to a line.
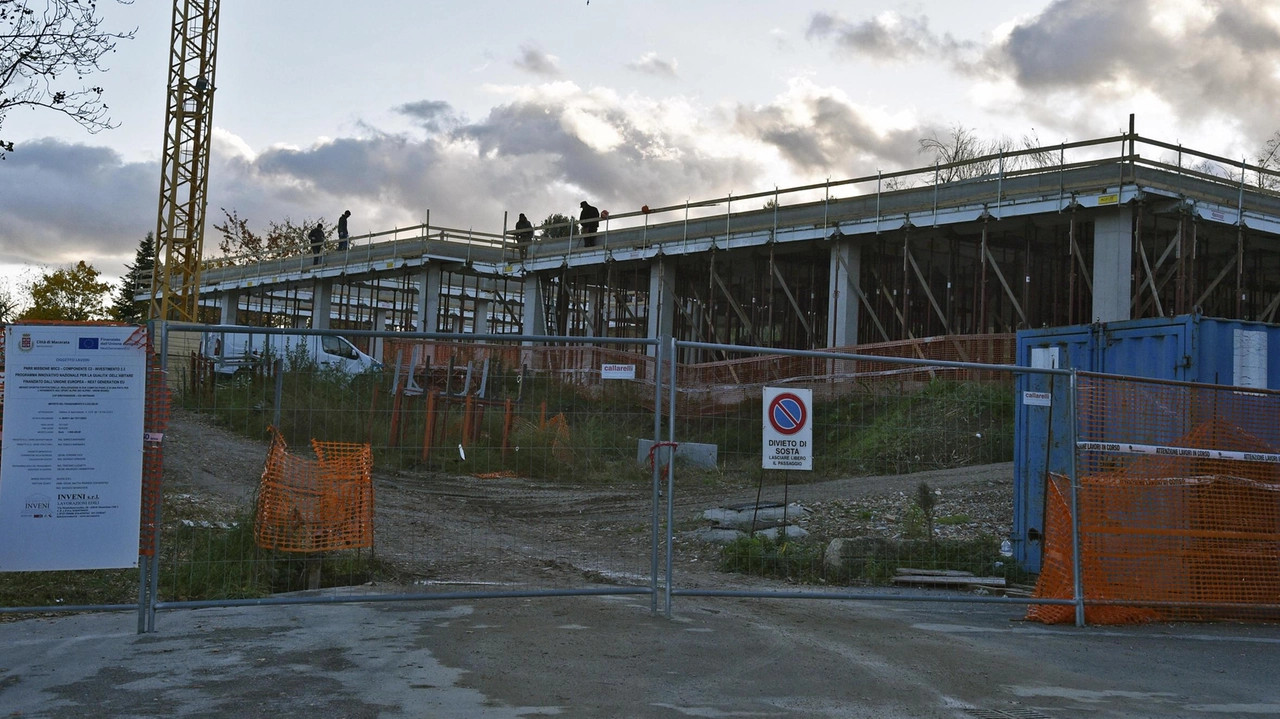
1187	348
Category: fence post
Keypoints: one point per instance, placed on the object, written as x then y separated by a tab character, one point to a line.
1077	569
659	353
153	566
278	368
670	342
144	562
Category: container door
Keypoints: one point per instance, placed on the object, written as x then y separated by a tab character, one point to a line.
1042	437
1160	349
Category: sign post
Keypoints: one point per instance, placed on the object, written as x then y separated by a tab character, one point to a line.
788	429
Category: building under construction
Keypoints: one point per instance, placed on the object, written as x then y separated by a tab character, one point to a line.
1102	230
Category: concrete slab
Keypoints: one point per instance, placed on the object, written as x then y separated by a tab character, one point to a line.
696	454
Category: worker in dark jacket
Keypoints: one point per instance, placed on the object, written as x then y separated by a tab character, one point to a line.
590	222
523	234
316	235
342	231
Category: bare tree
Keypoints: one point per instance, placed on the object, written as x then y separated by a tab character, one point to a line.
1269	159
9	303
283	238
978	156
40	47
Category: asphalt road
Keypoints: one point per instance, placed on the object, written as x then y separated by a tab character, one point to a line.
609	657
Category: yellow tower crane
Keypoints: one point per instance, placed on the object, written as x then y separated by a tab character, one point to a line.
184	177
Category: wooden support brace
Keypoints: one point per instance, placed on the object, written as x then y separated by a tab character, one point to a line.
467	407
507	418
791	299
964	356
1216	280
429	433
995	266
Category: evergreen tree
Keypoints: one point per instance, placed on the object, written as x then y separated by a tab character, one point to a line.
557	226
137	278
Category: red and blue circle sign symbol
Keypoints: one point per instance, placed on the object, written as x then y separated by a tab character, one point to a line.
787	413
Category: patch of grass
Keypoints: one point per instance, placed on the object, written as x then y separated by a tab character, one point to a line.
942	425
867	560
778	559
954	520
52	589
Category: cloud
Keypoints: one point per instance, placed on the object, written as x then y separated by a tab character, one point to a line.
886	37
67	202
651	64
432	115
1201	59
821	132
537	62
539	150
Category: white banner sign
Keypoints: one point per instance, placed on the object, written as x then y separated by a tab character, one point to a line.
617	371
71	455
788	429
1167	451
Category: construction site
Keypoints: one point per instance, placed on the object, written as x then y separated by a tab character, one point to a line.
1110	229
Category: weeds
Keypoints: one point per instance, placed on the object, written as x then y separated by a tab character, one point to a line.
866	560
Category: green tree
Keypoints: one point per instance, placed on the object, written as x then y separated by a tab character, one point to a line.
557	226
136	279
73	294
41	43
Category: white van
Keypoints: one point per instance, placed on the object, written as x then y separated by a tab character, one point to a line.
231	351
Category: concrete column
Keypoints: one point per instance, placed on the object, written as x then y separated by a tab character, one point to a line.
321	304
379	323
481	319
842	304
1112	264
229	303
662	299
533	316
429	298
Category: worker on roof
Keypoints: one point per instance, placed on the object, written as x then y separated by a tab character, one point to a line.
342	231
316	235
590	223
523	234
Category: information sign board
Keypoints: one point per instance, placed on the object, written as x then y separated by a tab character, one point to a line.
71	454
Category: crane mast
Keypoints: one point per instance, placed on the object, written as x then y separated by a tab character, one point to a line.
184	177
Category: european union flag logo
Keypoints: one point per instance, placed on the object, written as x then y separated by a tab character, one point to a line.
88	343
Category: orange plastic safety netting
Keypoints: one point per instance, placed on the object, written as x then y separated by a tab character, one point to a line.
316	505
1179	502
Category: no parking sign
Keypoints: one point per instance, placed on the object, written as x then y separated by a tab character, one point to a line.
788	429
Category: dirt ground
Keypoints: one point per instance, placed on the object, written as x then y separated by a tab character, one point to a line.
514	530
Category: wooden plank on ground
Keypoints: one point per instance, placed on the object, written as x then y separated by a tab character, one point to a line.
935	581
908	572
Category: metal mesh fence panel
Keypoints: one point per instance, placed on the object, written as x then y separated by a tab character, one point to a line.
496	467
1178	501
910	492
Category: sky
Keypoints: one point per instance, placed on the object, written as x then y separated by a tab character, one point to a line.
393	108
